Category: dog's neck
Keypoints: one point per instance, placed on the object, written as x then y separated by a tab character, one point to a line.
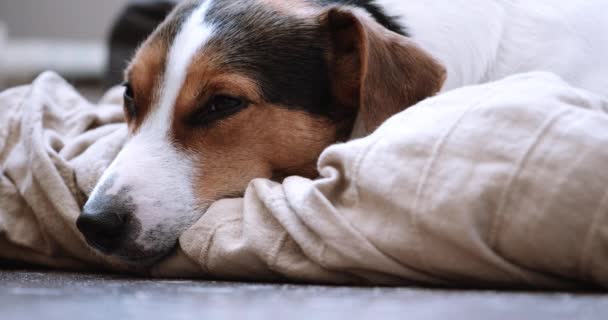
465	35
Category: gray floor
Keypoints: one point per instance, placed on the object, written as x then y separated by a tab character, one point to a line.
51	295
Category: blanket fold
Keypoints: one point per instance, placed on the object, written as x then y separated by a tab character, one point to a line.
497	185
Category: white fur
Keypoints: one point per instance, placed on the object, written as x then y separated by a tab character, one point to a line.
157	175
188	41
487	40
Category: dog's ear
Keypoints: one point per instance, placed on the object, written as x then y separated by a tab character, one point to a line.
374	70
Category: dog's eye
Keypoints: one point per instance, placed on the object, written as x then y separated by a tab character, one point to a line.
220	103
218	107
129	100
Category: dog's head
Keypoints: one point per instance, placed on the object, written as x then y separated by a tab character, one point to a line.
225	91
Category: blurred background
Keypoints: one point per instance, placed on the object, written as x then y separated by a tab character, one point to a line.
73	38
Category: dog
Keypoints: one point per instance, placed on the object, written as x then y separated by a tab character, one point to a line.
226	91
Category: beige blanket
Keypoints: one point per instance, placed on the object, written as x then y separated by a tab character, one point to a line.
500	185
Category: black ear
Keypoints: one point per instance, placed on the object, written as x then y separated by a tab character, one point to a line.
134	24
376	71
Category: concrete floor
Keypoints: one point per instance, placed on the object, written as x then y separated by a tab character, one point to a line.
53	295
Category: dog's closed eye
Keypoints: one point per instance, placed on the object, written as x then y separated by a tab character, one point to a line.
216	108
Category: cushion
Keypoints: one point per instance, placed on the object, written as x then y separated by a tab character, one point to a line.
496	185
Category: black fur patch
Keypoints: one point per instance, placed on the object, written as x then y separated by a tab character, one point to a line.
284	53
376	11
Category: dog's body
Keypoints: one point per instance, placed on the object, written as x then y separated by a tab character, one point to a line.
226	91
483	41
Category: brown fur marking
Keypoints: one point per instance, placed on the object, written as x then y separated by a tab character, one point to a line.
263	140
374	72
145	76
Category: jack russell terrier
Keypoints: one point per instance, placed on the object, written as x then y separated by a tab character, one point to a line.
225	91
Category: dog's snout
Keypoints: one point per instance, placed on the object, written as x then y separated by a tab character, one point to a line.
103	230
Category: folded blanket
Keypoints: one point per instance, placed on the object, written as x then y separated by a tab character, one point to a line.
499	185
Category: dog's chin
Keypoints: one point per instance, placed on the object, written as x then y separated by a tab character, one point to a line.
139	261
138	258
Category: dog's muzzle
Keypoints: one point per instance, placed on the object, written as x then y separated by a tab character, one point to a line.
105	224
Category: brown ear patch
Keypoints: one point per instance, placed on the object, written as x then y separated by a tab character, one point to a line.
375	70
346	73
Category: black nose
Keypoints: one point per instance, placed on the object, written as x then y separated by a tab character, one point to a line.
102	230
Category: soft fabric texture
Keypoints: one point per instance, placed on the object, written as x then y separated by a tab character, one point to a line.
498	185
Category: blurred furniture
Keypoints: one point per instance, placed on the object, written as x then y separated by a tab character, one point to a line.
2	45
83	59
130	29
66	36
21	60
